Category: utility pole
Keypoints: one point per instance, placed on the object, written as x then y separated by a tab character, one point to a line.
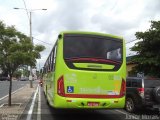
30	26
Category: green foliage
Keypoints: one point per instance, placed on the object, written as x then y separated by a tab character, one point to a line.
148	51
21	70
17	74
16	49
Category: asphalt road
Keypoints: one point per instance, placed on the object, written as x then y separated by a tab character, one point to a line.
4	86
49	113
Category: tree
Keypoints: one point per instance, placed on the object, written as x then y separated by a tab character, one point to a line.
17	74
148	52
21	71
16	49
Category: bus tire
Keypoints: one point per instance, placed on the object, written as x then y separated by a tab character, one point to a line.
47	97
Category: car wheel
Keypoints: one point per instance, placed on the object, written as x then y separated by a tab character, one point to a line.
156	93
130	106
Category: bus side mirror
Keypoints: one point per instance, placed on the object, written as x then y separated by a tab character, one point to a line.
59	36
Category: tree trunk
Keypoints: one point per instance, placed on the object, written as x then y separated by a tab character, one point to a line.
10	91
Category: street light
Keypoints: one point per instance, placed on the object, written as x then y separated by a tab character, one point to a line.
30	26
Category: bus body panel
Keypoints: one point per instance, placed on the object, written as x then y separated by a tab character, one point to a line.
80	103
82	87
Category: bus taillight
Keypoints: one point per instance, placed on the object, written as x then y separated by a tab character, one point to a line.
60	86
123	88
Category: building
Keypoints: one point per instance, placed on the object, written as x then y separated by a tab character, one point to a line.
130	65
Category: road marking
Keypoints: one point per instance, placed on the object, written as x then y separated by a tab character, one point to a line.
121	112
130	115
39	105
1	105
12	93
29	115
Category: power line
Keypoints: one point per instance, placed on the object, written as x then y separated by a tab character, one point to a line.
51	44
131	41
26	9
115	4
42	41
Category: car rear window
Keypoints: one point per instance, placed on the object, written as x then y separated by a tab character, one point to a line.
134	82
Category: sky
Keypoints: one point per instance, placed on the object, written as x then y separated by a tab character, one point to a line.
118	17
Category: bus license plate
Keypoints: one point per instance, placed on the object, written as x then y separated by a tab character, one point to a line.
93	103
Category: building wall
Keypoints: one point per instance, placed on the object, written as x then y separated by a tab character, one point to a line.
129	67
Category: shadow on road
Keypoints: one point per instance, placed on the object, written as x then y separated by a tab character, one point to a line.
73	114
146	111
49	113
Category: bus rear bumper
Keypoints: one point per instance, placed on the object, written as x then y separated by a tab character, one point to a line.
91	103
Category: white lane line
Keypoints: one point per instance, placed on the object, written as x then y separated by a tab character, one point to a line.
1	105
39	105
32	105
130	115
12	93
121	112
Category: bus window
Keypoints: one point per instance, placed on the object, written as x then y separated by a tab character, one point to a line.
100	50
114	54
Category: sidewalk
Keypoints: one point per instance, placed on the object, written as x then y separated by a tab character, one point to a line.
20	100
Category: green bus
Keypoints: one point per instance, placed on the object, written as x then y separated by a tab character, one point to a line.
86	70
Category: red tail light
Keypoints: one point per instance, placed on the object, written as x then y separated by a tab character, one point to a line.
60	86
123	88
141	91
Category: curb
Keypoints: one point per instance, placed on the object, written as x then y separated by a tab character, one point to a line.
29	115
25	112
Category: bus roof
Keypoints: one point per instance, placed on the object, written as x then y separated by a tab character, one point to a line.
94	33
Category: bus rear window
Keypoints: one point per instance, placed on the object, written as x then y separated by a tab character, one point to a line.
88	46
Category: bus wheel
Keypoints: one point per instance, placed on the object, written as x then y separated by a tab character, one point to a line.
47	102
47	96
45	91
